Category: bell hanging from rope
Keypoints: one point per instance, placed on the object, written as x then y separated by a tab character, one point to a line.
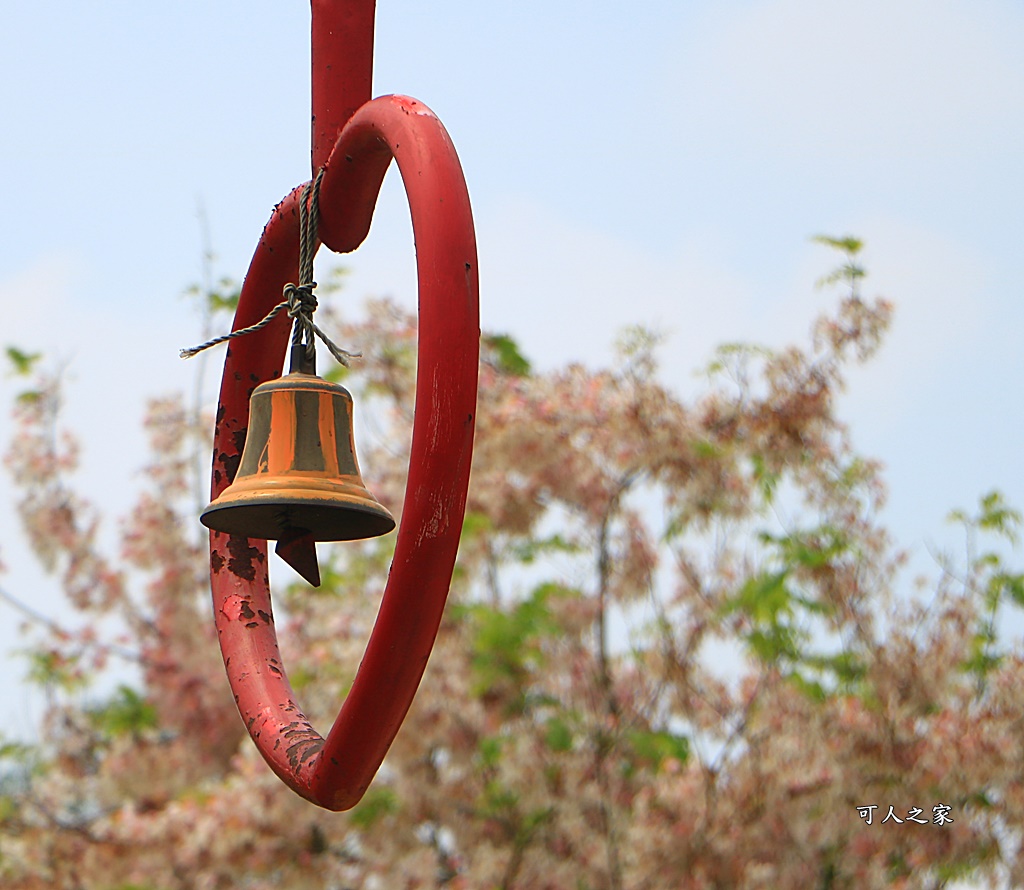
298	481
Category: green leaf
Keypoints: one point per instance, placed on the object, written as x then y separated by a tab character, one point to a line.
994	515
850	272
1009	585
558	735
334	280
656	746
981	662
764	598
810	549
498	799
508	644
378	802
336	372
125	712
22	362
490	751
777	642
8	808
847	244
476	524
997	517
767	481
705	449
52	668
224	297
19	752
528	551
504	354
811	688
846	667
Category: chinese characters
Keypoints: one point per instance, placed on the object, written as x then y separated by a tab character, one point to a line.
940	815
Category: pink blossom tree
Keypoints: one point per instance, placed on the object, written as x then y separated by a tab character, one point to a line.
675	655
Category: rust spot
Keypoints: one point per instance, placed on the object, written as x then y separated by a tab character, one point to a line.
246	610
249	723
238	375
253	624
334	760
230	462
311	750
265	616
216	561
217	476
242	556
307	744
274	669
221	411
254	378
238	440
468	267
236	699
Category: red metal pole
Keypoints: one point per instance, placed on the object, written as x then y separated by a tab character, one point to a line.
335	772
342	55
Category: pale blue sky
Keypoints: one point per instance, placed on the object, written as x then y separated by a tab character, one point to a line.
663	162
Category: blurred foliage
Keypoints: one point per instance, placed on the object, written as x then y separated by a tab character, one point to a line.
676	652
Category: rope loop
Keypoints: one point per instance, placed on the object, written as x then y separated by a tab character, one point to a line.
298	299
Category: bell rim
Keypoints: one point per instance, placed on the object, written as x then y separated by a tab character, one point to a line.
275	515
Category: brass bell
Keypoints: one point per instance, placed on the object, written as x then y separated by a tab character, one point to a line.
298	481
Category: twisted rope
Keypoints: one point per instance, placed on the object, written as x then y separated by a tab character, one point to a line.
298	299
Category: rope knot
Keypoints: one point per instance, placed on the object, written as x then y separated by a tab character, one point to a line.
300	299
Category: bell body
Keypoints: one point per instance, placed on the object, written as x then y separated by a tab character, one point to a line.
298	474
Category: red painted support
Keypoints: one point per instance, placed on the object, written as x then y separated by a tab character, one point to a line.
342	56
334	773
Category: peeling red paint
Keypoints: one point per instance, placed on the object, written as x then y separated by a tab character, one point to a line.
230	462
232	608
242	555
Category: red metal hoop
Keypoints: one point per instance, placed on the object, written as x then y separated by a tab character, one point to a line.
336	771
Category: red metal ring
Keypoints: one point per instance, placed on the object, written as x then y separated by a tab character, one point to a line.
336	771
